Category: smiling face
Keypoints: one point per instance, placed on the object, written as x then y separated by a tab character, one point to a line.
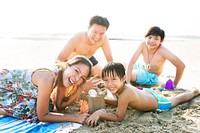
113	74
96	33
153	42
154	37
113	83
75	75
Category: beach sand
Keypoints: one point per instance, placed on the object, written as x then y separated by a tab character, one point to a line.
185	118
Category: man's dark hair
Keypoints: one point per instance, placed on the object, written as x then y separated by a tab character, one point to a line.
100	21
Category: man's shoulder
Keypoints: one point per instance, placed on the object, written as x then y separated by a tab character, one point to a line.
80	34
76	38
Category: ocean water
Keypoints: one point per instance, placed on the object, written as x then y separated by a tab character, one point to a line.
66	36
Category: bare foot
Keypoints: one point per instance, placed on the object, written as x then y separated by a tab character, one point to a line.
196	91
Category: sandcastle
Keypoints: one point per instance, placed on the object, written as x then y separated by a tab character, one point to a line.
95	99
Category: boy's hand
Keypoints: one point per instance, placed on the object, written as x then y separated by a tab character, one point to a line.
93	119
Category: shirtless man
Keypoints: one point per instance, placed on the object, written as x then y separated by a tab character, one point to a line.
87	43
154	55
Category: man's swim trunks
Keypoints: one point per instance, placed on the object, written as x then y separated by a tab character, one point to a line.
144	77
163	103
93	60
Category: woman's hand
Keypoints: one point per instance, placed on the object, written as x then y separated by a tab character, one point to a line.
91	84
81	118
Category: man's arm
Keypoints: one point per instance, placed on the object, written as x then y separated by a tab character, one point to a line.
68	49
107	50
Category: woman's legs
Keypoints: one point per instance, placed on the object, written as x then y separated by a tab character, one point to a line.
2	112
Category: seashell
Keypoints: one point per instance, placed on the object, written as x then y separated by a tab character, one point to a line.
92	93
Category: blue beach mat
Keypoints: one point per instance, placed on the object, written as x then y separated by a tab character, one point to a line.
13	125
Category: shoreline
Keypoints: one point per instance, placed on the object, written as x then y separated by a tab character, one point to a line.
28	53
112	37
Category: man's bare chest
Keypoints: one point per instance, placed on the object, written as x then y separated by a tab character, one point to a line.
86	50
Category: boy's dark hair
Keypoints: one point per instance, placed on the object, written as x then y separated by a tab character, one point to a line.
156	31
100	21
113	67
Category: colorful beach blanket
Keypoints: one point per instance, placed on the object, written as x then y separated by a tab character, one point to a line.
13	125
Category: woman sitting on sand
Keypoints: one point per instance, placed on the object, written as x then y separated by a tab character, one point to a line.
113	74
25	94
154	56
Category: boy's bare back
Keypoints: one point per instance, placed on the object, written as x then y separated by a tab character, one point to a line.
137	99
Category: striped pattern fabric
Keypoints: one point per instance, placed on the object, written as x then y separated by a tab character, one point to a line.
13	125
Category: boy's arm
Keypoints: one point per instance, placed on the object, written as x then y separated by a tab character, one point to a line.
132	62
107	50
68	49
111	101
102	114
179	73
180	66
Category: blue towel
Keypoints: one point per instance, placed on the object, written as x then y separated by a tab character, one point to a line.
13	125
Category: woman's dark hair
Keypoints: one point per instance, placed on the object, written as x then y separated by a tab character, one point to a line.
81	60
156	31
100	21
113	67
73	61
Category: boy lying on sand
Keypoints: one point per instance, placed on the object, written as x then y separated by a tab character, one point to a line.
114	77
